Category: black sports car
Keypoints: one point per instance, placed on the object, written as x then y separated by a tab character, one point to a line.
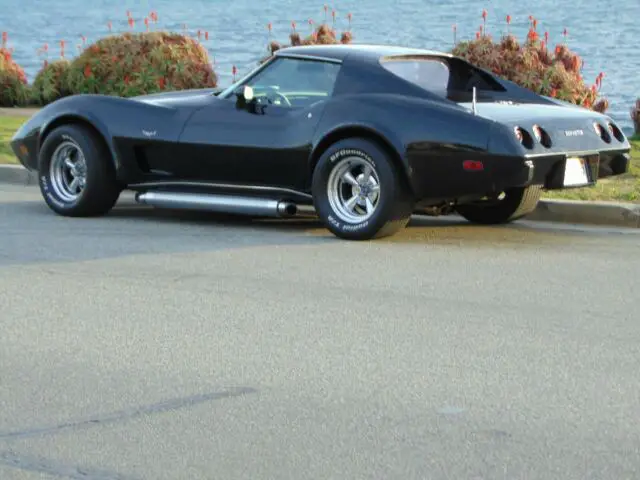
366	135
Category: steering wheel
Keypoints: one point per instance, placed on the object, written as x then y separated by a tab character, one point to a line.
280	95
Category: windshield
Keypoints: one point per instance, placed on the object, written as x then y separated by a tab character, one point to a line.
229	91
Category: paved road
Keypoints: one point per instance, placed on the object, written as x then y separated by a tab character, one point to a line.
162	346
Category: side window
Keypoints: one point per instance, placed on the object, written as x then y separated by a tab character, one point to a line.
292	82
430	74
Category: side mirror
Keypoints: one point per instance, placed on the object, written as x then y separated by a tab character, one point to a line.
247	92
244	96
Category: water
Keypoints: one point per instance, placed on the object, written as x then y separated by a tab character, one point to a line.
604	34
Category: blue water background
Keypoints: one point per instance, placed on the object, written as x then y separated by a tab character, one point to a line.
605	34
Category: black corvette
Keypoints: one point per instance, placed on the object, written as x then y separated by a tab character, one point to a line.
366	135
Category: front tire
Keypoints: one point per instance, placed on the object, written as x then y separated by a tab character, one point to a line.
516	203
76	173
359	193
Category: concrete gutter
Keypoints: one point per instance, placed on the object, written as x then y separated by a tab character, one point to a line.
565	211
595	213
17	175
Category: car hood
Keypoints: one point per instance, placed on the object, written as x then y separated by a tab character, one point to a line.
181	98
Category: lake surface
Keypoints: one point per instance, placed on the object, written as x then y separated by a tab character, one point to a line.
604	34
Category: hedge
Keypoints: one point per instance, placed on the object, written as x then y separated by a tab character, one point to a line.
130	64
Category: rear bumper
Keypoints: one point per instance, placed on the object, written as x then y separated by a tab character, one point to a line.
549	170
442	178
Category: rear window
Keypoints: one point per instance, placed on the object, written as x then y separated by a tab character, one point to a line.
428	73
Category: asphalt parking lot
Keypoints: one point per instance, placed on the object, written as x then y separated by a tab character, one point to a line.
163	345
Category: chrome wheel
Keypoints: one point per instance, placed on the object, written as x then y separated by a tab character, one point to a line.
68	171
353	190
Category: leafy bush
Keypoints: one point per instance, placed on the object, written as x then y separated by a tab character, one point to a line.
635	116
530	64
14	89
322	35
50	83
141	63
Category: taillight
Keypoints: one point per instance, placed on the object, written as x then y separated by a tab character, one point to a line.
601	132
523	137
615	131
541	135
519	134
537	132
597	128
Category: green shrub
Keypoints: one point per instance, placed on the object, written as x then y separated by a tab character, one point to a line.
14	89
50	83
322	35
530	64
135	64
635	116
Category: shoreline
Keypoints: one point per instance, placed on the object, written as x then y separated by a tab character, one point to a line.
224	56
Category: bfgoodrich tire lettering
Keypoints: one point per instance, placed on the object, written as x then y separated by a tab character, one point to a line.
358	192
517	203
76	173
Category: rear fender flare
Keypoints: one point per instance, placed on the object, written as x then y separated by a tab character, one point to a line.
388	141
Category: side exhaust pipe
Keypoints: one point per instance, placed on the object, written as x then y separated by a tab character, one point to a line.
218	203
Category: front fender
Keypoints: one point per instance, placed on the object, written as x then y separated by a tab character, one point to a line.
82	116
33	132
116	119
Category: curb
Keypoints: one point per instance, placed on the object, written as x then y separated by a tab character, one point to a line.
18	111
595	213
17	175
564	211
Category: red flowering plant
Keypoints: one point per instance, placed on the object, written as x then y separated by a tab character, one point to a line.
556	73
133	64
323	34
14	89
635	117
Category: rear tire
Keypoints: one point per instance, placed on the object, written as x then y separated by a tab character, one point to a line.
76	173
517	203
359	193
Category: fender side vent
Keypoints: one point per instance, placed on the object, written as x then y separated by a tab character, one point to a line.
141	159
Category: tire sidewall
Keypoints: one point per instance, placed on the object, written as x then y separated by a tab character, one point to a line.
53	140
371	153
